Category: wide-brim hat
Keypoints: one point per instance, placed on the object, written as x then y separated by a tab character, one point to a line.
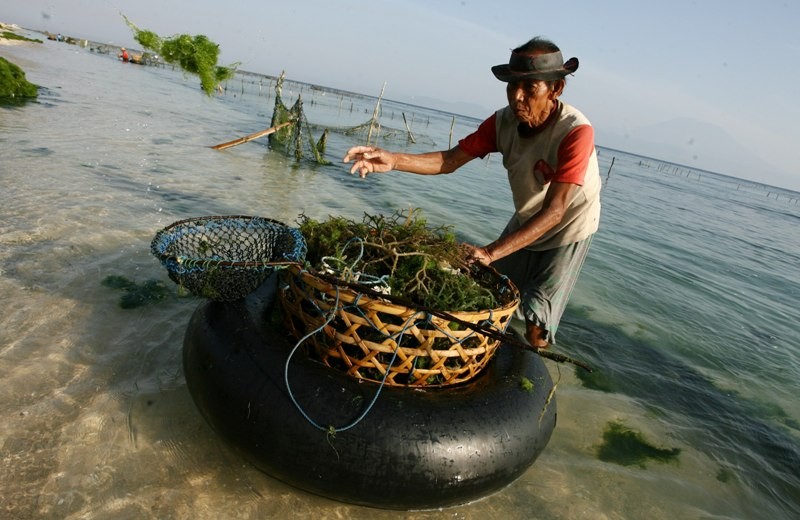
547	67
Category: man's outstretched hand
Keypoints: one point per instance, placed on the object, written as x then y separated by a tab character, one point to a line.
368	159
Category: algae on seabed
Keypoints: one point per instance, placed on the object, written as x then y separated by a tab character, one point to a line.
626	447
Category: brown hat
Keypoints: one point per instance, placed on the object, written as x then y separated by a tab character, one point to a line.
547	67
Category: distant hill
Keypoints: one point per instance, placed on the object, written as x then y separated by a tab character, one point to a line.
699	145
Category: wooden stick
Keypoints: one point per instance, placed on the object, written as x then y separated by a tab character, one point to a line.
250	137
408	129
375	115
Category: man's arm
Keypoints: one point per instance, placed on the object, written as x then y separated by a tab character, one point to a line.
368	159
555	206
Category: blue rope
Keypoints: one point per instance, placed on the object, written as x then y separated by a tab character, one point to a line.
349	272
332	314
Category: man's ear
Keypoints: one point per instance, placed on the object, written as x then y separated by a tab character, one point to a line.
557	88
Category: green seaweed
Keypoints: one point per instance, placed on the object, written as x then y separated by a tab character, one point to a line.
115	281
595	380
297	138
13	85
136	295
193	54
626	447
526	384
725	475
12	36
424	264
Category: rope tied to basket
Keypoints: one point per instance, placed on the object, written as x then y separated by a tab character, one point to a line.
225	258
368	332
332	430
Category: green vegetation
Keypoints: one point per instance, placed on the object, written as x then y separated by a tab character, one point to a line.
13	85
193	54
626	447
423	264
295	139
726	475
136	295
526	384
13	36
595	380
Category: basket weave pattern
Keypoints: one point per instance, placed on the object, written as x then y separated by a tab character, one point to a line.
366	333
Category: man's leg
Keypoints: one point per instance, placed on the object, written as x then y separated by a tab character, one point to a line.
545	280
536	335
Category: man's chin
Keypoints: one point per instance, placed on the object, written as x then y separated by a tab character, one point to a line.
522	117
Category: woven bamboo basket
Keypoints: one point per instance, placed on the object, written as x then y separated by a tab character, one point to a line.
376	340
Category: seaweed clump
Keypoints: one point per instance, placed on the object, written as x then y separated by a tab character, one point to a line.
13	84
193	54
136	295
626	447
402	256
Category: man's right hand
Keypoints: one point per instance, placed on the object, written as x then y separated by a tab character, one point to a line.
368	159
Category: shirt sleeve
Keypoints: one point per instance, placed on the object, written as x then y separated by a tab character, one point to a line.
482	141
573	155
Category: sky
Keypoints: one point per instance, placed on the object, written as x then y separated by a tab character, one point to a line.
712	84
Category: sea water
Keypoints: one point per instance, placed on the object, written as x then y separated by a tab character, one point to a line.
687	308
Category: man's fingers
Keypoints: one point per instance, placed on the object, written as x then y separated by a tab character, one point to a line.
361	168
357	152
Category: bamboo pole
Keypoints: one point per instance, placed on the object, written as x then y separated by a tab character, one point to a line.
408	129
250	137
375	115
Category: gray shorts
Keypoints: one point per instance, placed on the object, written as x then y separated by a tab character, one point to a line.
545	280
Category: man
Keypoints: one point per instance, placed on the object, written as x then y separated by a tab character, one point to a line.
548	150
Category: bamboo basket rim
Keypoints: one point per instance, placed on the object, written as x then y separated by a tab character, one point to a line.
348	295
345	342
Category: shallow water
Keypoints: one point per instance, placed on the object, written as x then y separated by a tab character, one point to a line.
686	308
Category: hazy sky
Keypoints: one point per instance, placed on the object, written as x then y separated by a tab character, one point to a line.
709	83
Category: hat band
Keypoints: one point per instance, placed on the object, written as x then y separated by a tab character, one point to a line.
549	62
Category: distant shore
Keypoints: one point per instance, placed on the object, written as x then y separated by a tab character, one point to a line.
10	28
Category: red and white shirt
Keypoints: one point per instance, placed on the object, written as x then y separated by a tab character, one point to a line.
562	151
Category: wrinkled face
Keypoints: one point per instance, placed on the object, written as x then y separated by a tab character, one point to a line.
531	100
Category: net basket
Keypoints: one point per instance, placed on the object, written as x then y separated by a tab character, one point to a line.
376	340
225	258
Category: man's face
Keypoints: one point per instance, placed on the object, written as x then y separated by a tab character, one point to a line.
530	99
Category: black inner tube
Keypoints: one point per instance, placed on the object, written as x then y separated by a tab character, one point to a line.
414	449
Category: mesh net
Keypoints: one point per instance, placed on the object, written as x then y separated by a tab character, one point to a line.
225	258
295	139
372	132
298	138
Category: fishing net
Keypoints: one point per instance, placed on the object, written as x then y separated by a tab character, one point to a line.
295	139
225	258
372	131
